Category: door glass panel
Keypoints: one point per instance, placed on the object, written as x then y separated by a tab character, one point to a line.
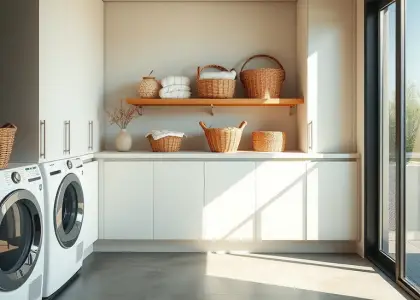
15	237
69	210
412	140
388	131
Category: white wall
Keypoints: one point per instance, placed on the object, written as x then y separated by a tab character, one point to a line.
176	37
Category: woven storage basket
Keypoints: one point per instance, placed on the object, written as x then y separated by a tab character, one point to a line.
166	144
7	138
264	83
215	88
223	139
268	141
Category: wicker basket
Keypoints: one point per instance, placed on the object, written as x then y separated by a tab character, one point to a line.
7	138
215	88
223	139
166	144
263	83
269	141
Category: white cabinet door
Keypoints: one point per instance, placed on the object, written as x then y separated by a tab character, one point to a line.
229	200
332	201
128	200
178	200
281	210
79	136
90	190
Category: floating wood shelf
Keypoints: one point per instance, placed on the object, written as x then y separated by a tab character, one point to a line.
215	102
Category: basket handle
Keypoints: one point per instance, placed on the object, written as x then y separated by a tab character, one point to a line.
262	55
201	69
203	125
243	124
9	125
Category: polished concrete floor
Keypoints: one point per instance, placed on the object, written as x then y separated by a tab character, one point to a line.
186	276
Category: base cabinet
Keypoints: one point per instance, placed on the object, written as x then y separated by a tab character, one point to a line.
332	201
128	200
91	197
178	200
281	209
229	201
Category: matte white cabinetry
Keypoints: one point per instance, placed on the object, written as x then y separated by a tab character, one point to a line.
326	39
281	198
229	200
91	197
178	200
332	201
58	78
128	200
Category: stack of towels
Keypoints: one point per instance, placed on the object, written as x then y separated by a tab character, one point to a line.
175	87
218	75
160	134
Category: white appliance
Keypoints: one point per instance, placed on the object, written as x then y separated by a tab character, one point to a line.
21	233
64	207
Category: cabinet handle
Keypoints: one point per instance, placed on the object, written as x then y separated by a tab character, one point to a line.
42	142
69	137
65	138
91	135
310	136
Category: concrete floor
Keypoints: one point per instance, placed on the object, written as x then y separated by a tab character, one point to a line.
186	276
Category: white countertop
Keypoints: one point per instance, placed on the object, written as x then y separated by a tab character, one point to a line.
241	155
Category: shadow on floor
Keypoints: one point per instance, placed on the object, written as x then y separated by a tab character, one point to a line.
183	276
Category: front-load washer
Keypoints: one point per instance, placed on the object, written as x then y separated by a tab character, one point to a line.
21	233
64	207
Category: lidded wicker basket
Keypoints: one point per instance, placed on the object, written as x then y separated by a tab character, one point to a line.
264	83
269	141
223	139
7	138
166	144
215	88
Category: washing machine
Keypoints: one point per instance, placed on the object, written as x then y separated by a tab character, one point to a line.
64	208
21	233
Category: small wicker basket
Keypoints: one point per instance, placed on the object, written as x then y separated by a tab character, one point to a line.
264	83
215	88
166	144
223	139
7	138
269	141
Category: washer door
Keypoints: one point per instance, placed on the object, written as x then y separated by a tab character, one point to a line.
20	238
68	211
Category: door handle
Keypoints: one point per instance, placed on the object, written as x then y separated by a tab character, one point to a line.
69	137
65	138
310	136
42	142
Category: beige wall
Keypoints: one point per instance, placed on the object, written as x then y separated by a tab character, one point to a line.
175	38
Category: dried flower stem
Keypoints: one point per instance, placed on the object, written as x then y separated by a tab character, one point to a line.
123	116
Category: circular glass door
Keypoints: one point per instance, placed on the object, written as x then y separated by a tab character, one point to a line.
69	211
20	238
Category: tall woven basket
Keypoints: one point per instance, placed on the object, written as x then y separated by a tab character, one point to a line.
223	139
264	83
7	138
215	88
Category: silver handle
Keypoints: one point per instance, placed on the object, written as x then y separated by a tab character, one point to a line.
65	138
310	136
42	142
69	137
91	135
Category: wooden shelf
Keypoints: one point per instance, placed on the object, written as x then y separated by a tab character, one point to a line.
215	102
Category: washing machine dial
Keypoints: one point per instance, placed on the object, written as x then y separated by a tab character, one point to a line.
16	177
69	164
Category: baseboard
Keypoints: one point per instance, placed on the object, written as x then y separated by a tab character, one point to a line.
226	246
88	251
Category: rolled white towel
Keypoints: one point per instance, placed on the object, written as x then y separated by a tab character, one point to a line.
175	94
218	75
171	80
175	88
160	134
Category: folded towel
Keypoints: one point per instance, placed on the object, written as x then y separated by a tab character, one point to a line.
160	134
171	80
175	88
175	94
218	75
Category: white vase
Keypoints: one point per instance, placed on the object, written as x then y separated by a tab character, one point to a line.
123	141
